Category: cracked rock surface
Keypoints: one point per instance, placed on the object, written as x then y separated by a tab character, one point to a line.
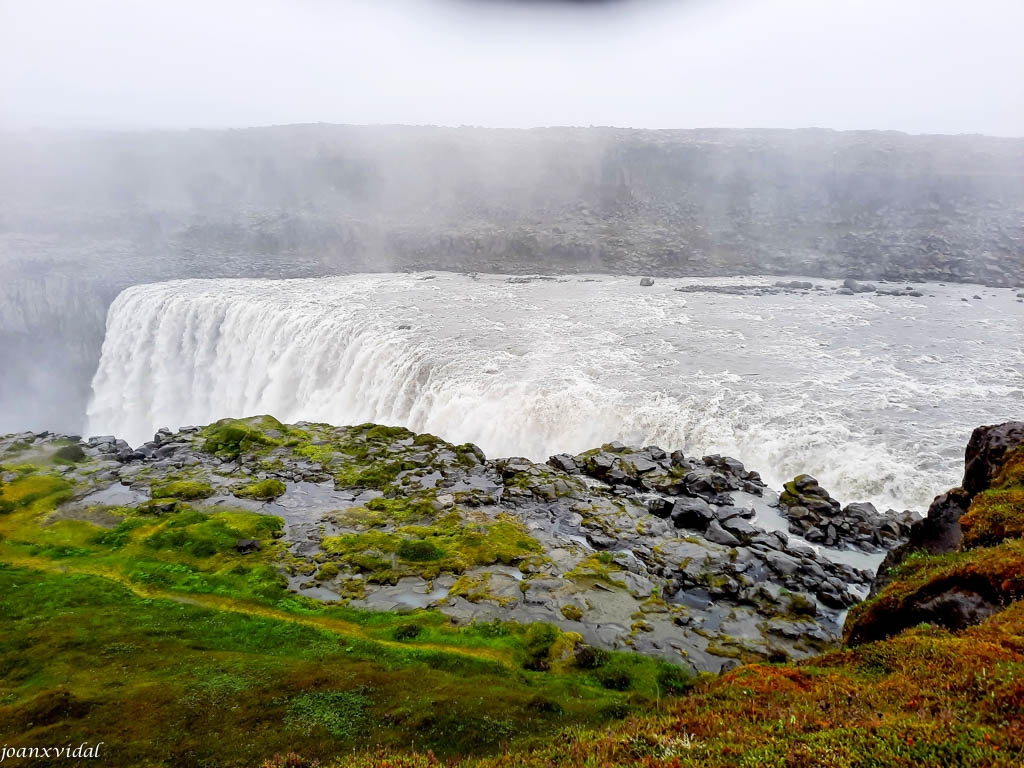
680	557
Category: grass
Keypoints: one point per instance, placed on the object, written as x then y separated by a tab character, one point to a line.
926	698
185	490
226	688
160	638
35	492
160	634
448	544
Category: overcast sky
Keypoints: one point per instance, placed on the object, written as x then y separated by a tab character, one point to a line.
935	66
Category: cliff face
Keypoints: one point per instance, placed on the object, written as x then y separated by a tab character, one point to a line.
706	202
92	213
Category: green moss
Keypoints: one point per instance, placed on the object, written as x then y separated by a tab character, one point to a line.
425	439
599	566
264	490
320	454
378	475
446	545
185	490
476	588
327	571
69	454
994	515
233	437
380	432
419	551
572	612
1012	472
402	509
199	535
37	492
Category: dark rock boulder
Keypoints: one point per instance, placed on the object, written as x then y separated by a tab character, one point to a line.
717	534
937	533
986	451
693	513
660	507
955	601
815	515
564	462
940	531
986	576
740	528
858	287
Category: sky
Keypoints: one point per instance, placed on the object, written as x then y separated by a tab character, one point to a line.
920	66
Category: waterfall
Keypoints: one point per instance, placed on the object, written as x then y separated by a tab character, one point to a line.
535	369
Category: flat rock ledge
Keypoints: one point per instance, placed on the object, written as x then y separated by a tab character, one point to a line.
687	558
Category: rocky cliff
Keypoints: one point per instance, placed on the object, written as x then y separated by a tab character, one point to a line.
703	202
83	216
679	557
964	562
341	592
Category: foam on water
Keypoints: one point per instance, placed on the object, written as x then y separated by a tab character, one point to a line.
874	395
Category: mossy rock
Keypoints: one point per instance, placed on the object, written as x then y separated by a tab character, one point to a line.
572	612
233	437
953	590
993	516
185	490
264	490
381	432
419	551
69	454
327	571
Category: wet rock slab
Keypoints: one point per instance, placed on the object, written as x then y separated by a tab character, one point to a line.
686	558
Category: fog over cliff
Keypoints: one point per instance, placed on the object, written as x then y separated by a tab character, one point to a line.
126	156
84	215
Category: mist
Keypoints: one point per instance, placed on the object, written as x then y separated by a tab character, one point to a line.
912	65
512	382
783	138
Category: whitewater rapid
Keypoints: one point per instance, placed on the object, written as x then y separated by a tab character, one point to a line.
874	395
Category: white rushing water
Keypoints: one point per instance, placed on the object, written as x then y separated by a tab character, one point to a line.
874	395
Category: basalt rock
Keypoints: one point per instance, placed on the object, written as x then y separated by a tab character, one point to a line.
985	577
985	454
815	515
645	549
939	531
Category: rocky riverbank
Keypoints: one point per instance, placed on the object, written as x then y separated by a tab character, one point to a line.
154	581
685	558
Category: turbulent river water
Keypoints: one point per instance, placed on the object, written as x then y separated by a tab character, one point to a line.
874	395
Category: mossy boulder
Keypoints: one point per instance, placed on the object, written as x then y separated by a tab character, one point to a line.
69	454
264	490
233	437
954	591
957	589
185	490
993	516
